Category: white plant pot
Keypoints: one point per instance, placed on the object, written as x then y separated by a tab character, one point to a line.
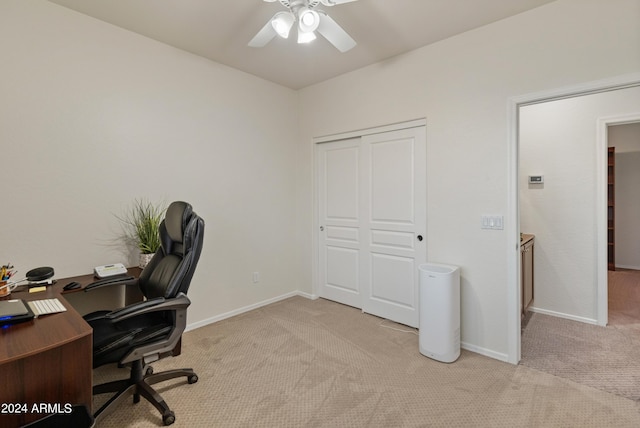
144	260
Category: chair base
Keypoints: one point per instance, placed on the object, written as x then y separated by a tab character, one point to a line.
139	384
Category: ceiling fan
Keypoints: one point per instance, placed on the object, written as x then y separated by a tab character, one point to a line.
309	21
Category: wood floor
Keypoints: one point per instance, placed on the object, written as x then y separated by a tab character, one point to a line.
624	297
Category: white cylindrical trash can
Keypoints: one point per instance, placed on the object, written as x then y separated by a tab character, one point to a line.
439	333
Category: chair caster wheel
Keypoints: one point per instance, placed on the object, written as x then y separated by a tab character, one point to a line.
192	379
168	418
149	371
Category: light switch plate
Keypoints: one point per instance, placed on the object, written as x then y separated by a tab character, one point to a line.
494	222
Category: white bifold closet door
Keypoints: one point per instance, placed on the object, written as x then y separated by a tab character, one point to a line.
372	221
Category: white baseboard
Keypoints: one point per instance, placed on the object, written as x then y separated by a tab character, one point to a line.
248	308
307	295
486	352
627	267
563	315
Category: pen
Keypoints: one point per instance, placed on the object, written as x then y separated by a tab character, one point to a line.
5	272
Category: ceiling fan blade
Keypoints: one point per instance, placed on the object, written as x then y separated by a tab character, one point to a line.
264	36
334	33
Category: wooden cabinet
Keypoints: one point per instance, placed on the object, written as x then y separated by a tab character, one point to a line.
526	266
611	208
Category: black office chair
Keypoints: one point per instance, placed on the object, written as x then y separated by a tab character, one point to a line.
142	333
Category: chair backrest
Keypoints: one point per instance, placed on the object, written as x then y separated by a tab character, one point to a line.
170	270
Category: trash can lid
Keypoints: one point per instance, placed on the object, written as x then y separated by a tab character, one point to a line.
437	268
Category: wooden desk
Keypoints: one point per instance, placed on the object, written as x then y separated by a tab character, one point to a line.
46	362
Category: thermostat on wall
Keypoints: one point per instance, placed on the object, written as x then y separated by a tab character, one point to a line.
536	179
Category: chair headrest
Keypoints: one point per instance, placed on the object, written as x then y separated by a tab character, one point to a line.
176	219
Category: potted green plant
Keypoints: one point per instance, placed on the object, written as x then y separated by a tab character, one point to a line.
141	225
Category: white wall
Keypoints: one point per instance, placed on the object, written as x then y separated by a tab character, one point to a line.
462	86
558	139
83	104
93	116
626	140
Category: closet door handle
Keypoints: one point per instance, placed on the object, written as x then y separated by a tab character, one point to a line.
420	238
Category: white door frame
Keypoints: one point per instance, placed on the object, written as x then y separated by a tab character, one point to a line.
513	224
315	286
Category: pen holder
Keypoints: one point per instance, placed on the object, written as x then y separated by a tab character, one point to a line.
5	290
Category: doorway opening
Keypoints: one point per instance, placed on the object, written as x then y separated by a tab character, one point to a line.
599	316
623	228
585	352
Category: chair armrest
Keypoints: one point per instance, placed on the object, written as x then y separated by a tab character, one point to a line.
159	304
111	281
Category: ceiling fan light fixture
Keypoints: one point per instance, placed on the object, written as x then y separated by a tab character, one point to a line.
308	20
306	36
282	23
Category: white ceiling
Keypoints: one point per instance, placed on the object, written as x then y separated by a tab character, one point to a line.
220	30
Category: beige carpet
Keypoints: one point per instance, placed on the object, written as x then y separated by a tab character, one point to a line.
624	297
304	363
606	358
